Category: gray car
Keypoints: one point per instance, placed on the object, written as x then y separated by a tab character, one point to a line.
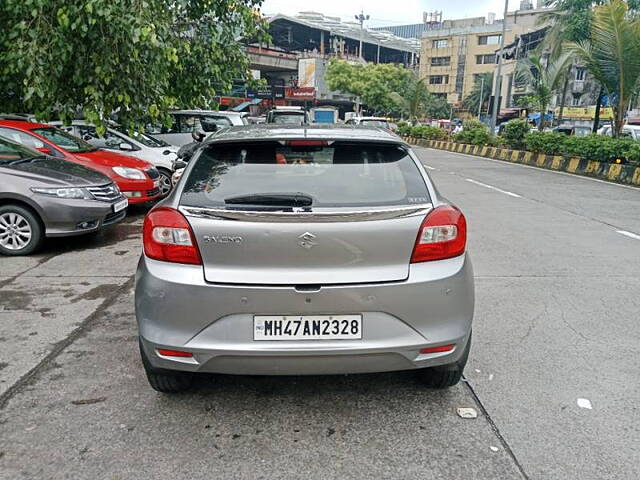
303	251
42	196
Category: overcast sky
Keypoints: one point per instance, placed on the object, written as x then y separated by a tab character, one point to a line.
388	12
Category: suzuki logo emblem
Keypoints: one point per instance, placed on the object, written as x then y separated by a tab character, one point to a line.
307	240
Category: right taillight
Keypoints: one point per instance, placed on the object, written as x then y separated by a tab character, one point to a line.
168	237
443	234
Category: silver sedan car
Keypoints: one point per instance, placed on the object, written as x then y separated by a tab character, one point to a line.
304	250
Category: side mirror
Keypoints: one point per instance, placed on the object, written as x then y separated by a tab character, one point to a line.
126	147
179	164
45	150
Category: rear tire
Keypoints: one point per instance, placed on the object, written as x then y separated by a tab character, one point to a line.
165	381
445	376
21	231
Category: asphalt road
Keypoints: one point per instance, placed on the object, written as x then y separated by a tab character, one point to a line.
557	261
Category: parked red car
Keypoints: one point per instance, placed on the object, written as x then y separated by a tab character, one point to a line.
137	179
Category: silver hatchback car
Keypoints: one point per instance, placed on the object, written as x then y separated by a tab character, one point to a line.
304	250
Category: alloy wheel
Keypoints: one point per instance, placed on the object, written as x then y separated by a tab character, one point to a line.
165	184
15	231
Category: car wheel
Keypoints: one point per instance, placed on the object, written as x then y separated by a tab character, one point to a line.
165	381
445	376
166	184
21	232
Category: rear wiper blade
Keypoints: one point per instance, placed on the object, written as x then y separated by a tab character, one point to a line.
272	199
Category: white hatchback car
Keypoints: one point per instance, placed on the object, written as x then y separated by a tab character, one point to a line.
139	145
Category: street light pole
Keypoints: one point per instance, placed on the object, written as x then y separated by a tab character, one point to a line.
361	18
498	81
481	97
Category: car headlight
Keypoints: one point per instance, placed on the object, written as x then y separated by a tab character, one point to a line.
131	173
71	192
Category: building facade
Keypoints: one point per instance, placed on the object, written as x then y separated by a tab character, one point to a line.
453	55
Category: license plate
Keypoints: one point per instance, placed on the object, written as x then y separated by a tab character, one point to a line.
121	205
307	327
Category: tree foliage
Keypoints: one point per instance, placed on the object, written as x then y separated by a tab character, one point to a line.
134	57
386	88
480	93
544	76
415	100
438	107
371	83
612	55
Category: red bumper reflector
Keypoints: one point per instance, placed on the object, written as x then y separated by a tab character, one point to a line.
440	349
173	353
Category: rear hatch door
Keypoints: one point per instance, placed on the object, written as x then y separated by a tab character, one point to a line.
275	214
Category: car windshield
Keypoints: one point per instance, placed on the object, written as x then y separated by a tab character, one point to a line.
64	140
338	175
146	140
10	152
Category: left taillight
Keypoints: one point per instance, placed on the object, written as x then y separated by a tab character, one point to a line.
442	235
167	236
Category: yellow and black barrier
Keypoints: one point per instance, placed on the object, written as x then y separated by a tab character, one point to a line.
612	172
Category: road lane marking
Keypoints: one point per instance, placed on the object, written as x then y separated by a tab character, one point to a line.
428	167
629	234
511	194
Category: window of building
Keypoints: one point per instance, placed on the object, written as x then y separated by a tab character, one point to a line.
440	61
489	39
486	59
441	43
581	72
575	101
438	79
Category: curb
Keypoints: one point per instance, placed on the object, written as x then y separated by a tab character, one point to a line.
611	172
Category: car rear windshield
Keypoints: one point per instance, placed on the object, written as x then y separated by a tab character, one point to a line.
331	176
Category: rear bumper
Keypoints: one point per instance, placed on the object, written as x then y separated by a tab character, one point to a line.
177	309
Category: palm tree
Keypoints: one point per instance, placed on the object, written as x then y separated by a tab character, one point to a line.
415	100
543	76
480	94
612	55
570	21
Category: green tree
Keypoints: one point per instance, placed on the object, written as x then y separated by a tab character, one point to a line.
480	94
133	57
371	83
415	100
612	55
570	21
438	107
544	76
